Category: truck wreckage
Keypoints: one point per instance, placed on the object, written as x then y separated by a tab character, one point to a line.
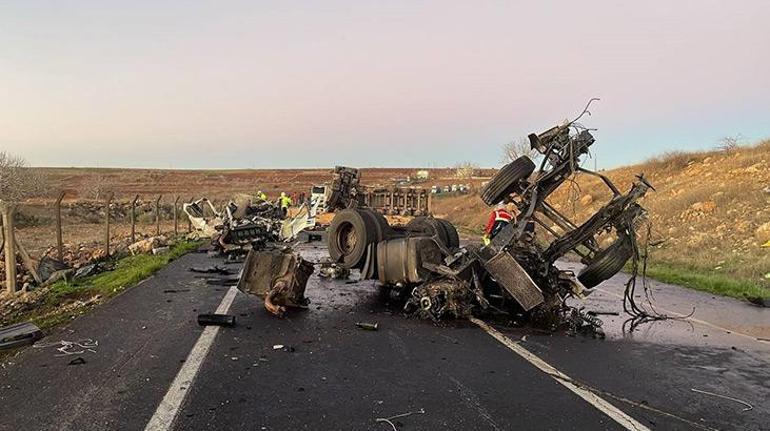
248	226
423	264
515	274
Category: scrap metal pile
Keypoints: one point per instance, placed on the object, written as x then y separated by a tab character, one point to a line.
515	274
246	226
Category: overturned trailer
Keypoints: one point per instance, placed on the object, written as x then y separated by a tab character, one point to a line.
516	273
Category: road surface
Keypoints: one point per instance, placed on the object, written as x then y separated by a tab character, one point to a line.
155	368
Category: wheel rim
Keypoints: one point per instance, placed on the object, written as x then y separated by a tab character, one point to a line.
347	238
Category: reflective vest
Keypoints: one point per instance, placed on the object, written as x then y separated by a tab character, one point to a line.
497	216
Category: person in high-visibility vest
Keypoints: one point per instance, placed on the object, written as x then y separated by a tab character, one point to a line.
285	202
261	196
498	219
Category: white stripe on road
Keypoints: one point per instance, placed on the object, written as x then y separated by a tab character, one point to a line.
608	409
170	405
691	319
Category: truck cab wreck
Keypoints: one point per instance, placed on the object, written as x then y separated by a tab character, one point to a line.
515	274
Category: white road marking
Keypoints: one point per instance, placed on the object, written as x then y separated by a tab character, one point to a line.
602	405
691	319
169	407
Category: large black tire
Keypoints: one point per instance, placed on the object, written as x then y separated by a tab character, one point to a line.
453	238
350	232
505	180
606	263
433	226
382	227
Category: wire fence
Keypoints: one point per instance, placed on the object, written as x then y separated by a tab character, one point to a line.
76	229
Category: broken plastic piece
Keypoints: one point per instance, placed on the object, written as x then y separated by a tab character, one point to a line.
216	320
368	326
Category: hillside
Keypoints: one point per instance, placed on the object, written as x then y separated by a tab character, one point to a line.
711	211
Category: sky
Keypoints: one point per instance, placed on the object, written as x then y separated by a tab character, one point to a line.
261	84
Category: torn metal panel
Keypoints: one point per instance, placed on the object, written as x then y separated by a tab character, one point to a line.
507	272
277	276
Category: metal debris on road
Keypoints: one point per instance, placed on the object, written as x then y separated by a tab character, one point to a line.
214	319
18	335
77	361
748	407
214	269
368	326
279	276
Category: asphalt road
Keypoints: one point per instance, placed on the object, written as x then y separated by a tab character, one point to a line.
332	376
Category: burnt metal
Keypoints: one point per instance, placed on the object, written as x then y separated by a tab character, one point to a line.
216	320
515	274
19	334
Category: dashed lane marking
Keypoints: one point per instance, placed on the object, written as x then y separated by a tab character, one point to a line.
171	404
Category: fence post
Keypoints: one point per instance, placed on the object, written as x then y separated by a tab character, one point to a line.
133	219
157	215
10	247
59	243
108	200
176	224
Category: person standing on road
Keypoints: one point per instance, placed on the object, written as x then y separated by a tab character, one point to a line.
498	219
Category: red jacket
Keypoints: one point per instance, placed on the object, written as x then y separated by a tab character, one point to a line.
501	215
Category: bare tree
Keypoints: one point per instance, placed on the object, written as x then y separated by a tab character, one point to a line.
728	144
18	181
517	148
94	187
465	170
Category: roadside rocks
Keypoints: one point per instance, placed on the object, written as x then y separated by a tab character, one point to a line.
148	245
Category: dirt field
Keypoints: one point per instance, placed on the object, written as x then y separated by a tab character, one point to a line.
88	183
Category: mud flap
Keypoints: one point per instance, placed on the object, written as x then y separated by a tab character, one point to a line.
512	277
278	276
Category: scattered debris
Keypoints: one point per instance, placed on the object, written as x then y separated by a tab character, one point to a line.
278	347
77	361
160	250
368	326
66	348
748	407
211	270
250	225
216	320
333	271
403	415
279	276
88	270
18	335
147	246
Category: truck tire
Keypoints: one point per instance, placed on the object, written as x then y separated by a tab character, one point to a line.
453	238
350	232
606	263
432	226
505	180
383	230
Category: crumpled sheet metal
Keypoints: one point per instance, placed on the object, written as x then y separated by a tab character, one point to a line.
279	276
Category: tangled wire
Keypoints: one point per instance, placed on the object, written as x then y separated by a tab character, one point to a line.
639	314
